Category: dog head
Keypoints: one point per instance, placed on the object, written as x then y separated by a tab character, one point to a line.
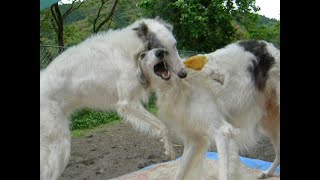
156	33
154	67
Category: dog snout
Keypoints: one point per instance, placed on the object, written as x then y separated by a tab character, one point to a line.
160	53
182	73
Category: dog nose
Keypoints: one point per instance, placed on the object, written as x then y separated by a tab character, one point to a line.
182	74
159	53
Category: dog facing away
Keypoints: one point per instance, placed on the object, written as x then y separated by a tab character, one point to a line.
236	92
102	73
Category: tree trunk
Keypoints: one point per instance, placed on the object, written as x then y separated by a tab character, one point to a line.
60	27
57	21
97	28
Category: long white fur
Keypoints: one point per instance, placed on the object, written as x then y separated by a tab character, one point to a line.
219	104
102	73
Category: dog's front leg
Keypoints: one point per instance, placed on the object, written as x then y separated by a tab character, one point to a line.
229	160
192	163
139	117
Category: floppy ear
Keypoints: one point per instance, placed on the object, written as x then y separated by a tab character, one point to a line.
167	25
142	30
141	77
143	80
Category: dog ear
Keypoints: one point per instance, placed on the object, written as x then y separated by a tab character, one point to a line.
142	30
167	25
142	78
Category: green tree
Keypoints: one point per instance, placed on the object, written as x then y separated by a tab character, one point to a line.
57	20
267	32
79	24
202	25
101	19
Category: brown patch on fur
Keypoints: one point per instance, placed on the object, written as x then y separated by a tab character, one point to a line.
271	121
142	29
148	37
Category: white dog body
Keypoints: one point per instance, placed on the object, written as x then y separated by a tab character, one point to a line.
101	73
236	92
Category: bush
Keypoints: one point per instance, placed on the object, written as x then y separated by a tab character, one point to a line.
88	118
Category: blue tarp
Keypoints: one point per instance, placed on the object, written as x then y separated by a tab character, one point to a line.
47	3
251	163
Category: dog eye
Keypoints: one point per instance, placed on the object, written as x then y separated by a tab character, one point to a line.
142	55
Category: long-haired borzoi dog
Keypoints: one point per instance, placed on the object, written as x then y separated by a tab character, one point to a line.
236	93
102	72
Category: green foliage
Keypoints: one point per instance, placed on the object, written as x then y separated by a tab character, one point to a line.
126	13
201	25
261	29
76	15
269	32
47	34
77	32
266	21
79	24
88	118
152	107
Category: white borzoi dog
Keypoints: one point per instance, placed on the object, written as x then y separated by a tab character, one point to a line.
102	73
237	91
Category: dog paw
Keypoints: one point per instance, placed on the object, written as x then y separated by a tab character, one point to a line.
169	151
264	175
172	154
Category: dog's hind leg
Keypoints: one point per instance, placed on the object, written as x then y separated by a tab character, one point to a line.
139	117
228	151
276	162
54	142
274	135
271	127
54	159
192	162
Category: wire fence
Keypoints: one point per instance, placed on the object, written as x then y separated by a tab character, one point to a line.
49	52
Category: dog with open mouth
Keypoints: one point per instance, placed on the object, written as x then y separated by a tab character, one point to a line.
235	95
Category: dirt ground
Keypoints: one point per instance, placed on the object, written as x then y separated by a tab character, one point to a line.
118	149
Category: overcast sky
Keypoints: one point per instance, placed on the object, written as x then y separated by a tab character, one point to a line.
269	8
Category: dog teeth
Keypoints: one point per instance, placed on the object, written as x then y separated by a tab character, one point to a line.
165	65
166	74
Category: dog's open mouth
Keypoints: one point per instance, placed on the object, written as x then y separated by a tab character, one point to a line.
161	70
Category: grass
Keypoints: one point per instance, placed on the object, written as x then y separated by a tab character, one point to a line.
151	107
89	120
